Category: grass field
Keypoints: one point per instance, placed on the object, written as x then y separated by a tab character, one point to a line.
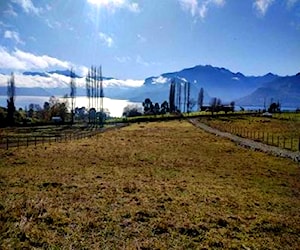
262	128
148	186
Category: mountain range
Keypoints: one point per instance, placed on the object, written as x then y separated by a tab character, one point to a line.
216	82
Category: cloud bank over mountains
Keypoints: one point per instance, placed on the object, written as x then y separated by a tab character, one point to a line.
21	60
135	39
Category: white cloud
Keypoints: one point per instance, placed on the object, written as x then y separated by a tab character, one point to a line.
141	39
10	11
81	70
123	83
106	39
139	60
291	3
262	6
112	5
13	35
53	24
27	6
123	59
199	8
20	60
60	81
160	80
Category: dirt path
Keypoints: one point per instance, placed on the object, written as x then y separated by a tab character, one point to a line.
249	143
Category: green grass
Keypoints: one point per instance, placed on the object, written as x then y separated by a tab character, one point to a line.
164	185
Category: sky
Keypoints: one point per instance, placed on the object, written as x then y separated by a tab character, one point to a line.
136	39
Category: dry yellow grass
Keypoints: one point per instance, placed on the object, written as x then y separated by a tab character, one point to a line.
284	133
286	128
148	186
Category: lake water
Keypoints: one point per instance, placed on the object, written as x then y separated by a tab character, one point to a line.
114	106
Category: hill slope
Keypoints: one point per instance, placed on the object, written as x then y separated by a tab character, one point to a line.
286	90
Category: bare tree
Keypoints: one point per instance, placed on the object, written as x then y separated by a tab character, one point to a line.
88	91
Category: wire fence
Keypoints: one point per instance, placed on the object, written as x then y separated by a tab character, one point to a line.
7	142
291	142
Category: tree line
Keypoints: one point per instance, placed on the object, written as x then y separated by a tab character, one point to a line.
180	101
58	107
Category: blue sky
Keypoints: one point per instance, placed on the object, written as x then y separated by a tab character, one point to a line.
141	38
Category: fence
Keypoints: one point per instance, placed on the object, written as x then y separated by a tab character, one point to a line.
287	142
19	141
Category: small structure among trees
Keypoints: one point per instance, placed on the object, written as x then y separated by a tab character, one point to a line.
216	106
132	110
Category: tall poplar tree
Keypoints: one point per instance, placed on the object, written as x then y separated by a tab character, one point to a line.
72	94
11	93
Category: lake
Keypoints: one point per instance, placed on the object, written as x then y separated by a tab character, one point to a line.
114	106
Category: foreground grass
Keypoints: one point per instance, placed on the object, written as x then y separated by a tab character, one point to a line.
148	186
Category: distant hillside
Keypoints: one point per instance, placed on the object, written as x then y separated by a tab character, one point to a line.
286	90
217	82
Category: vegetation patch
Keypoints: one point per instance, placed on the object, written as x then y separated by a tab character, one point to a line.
160	185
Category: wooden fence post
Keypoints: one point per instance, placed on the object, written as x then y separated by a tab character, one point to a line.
27	142
272	139
7	142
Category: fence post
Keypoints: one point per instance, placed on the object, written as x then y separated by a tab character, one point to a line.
18	142
283	142
7	142
272	139
35	141
27	142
